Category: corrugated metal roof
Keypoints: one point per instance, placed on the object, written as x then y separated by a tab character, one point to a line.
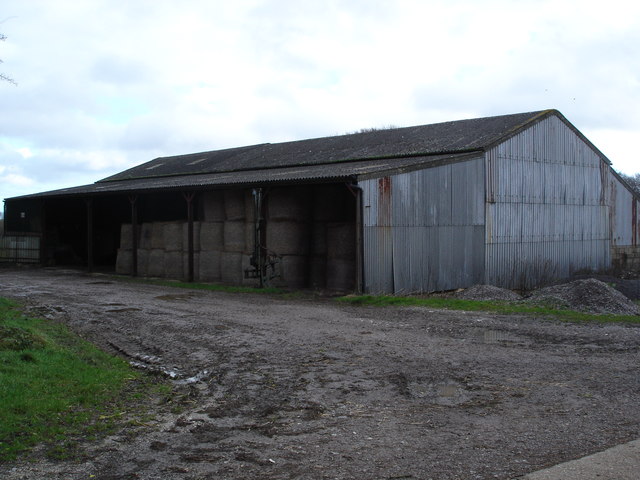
312	173
448	137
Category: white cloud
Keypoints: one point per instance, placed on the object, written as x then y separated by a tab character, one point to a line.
105	85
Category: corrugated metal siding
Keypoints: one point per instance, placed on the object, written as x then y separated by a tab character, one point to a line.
624	213
424	230
546	210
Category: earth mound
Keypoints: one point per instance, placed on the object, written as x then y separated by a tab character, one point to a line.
589	295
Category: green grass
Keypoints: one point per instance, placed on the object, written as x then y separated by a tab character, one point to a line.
485	306
55	387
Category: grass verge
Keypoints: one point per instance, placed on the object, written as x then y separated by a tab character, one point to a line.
486	306
58	389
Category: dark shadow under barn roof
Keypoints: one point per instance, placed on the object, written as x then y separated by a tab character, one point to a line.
336	158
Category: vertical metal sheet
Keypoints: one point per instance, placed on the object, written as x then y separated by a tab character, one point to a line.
433	238
546	214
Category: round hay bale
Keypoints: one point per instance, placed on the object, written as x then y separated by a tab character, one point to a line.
341	241
196	236
209	265
341	274
231	268
211	235
234	205
290	203
172	235
124	260
234	236
174	265
213	206
288	238
155	266
157	235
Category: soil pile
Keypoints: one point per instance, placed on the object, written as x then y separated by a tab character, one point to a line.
589	295
488	293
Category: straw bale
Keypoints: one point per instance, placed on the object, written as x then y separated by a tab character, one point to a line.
146	232
234	205
196	236
172	234
125	236
341	240
231	268
157	235
249	238
294	270
341	274
317	272
290	203
319	238
288	238
123	261
211	236
234	236
209	262
174	265
155	267
143	262
213	206
249	206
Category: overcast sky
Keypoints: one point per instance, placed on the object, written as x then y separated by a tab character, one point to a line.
103	85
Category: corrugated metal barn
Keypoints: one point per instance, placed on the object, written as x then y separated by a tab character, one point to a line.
515	201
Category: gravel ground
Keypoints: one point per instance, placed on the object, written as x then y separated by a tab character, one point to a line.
307	388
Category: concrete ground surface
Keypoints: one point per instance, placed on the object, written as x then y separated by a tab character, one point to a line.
282	387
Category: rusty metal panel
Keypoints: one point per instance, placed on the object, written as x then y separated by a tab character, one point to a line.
546	216
424	230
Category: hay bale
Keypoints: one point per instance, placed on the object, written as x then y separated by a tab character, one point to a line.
294	269
124	260
231	268
341	241
196	236
234	205
330	203
341	274
157	235
318	272
125	236
155	266
249	206
213	206
249	238
172	235
288	238
319	239
211	235
290	203
143	262
146	232
234	236
196	265
209	265
174	265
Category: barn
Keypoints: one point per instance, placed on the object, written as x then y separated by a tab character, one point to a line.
515	201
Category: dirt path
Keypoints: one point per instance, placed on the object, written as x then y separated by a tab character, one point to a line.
312	389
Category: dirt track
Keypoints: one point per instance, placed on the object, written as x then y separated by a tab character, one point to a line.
307	388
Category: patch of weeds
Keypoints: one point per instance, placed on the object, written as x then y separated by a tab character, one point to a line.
487	306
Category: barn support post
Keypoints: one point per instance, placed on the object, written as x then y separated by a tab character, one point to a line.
89	203
356	191
133	200
43	234
190	254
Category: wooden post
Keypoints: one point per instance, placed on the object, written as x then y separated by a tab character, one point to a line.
190	254
89	203
133	199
